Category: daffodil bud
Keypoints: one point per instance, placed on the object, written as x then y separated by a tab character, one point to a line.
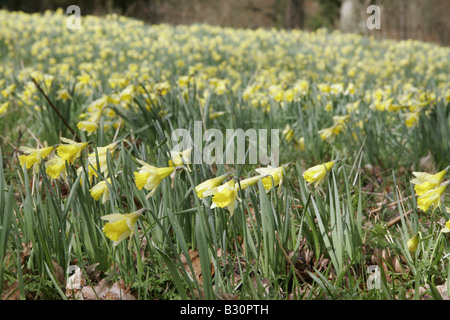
317	173
413	243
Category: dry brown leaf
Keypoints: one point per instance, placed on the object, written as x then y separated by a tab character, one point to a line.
103	291
442	289
59	272
93	275
229	296
397	265
10	292
195	261
26	250
264	283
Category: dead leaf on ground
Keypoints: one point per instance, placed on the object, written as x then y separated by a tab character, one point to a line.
59	272
26	250
103	291
383	258
196	265
442	289
93	275
10	291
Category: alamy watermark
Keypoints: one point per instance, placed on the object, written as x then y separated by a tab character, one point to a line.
210	147
374	279
374	21
74	20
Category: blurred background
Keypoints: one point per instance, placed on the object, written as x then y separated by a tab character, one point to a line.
426	20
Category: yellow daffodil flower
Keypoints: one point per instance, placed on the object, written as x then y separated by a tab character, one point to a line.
55	166
71	150
8	90
89	126
446	228
33	157
288	133
274	176
63	95
180	158
209	184
431	198
412	119
149	177
4	107
224	196
318	172
413	243
424	182
121	226
300	144
101	189
326	134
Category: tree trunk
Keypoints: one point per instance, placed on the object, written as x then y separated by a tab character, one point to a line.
349	17
295	14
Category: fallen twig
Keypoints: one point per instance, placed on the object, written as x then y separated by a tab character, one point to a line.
56	110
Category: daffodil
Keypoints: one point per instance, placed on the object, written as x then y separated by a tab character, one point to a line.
180	158
318	172
431	198
224	195
101	152
55	166
71	150
413	243
121	226
8	90
446	228
33	156
101	189
149	177
326	133
63	94
4	107
425	182
274	176
288	133
209	184
412	118
300	144
89	126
